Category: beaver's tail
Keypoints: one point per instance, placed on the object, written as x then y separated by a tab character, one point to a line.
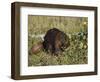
36	48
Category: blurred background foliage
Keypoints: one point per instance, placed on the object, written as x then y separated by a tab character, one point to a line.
41	24
75	27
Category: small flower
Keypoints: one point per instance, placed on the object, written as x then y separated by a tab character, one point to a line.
84	23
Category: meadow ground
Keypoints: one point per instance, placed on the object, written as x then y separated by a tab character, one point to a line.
75	27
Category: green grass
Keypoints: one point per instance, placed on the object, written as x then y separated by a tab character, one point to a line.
76	53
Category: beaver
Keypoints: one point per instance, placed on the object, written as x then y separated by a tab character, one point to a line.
55	42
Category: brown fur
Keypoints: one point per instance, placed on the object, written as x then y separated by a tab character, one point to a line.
55	41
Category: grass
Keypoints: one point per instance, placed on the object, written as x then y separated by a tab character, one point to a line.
76	53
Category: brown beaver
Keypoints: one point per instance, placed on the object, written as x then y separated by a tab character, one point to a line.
55	41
